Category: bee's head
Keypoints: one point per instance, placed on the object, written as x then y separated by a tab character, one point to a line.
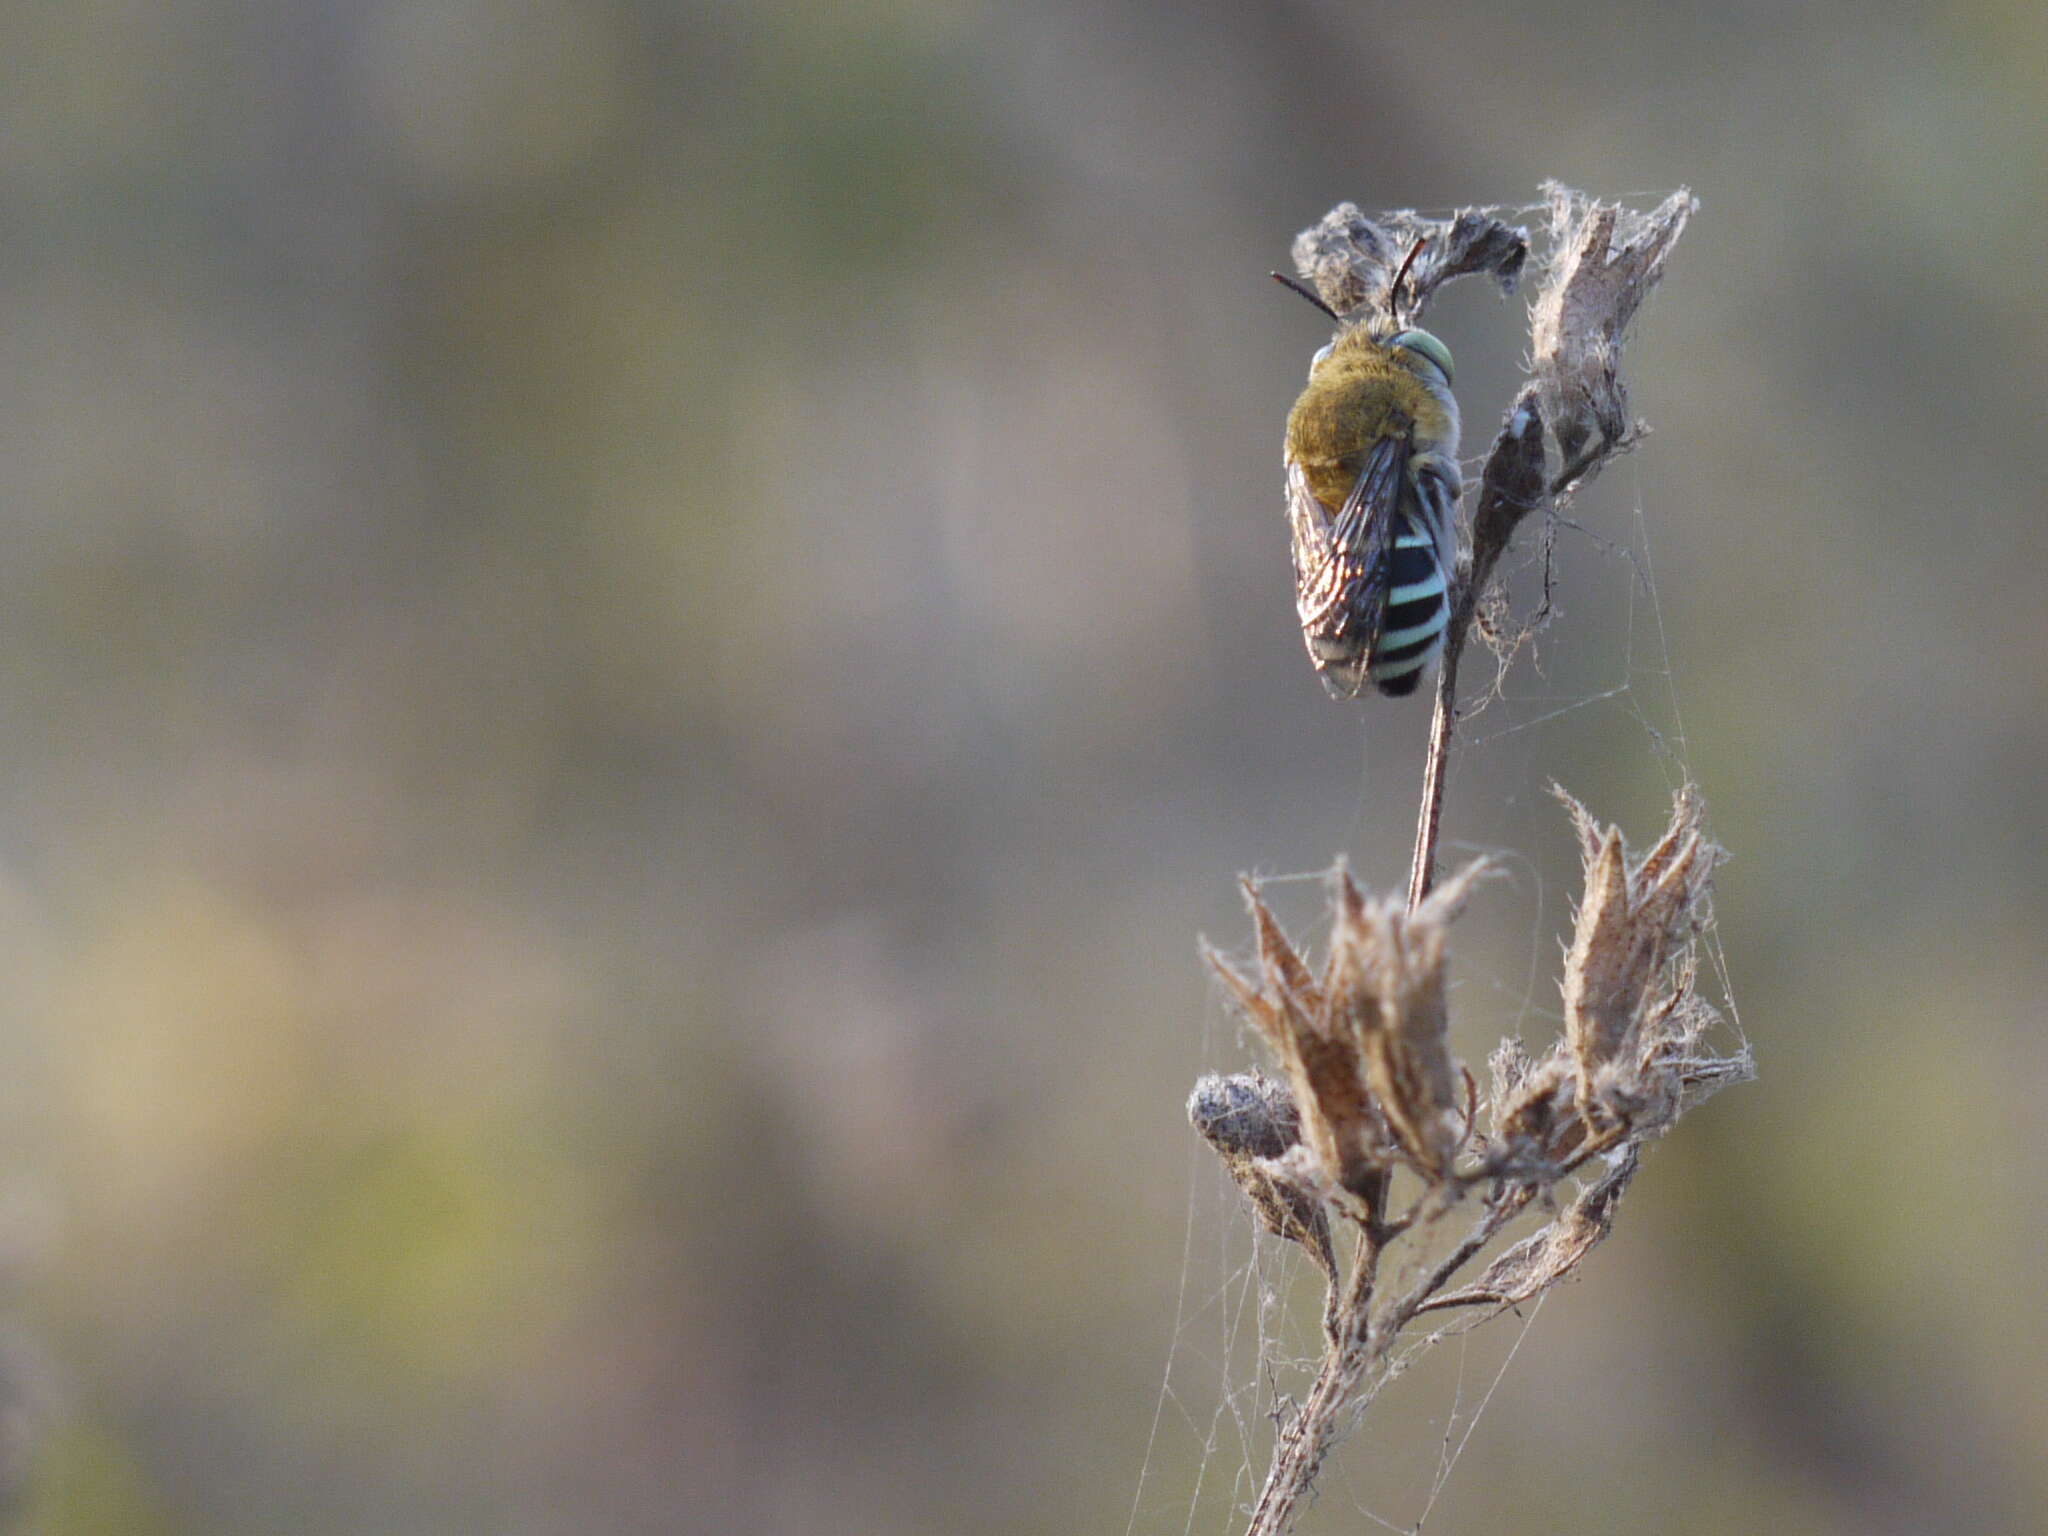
1422	352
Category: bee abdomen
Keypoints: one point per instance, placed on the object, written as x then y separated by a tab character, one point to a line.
1418	608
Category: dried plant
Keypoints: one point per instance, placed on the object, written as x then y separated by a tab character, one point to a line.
1373	1128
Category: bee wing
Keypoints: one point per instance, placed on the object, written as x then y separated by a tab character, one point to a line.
1341	562
1438	485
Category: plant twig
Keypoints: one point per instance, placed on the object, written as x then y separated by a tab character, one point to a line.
1509	490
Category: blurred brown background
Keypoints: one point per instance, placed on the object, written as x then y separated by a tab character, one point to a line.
635	639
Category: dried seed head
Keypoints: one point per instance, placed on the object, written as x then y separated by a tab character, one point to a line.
1624	1003
1634	1054
1605	260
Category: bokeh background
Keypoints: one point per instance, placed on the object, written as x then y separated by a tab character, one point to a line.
635	639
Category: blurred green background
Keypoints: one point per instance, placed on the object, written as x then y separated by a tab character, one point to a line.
635	640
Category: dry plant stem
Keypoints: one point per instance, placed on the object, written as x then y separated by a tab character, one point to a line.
1356	1365
1511	488
1428	825
1342	1384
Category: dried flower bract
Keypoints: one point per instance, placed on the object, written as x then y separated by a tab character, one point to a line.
1387	970
1632	1015
1606	260
1352	261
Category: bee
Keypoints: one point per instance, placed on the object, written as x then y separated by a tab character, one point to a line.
1372	488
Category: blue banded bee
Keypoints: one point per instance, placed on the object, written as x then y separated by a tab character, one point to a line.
1372	490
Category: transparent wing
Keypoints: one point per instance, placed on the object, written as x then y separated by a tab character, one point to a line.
1341	564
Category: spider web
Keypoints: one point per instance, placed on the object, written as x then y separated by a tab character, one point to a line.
1246	1335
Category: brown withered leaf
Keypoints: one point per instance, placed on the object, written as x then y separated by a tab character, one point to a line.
1542	1259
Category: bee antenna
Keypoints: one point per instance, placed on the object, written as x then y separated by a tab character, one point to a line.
1394	292
1307	293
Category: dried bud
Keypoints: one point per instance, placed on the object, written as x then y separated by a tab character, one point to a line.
1605	261
1536	1118
1252	1123
1244	1115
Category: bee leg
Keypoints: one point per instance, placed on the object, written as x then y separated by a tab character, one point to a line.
1438	484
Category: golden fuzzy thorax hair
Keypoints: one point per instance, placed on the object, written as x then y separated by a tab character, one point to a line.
1364	391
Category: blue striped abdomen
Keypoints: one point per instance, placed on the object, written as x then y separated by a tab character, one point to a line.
1418	607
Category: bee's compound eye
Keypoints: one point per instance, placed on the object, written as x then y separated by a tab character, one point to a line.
1424	345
